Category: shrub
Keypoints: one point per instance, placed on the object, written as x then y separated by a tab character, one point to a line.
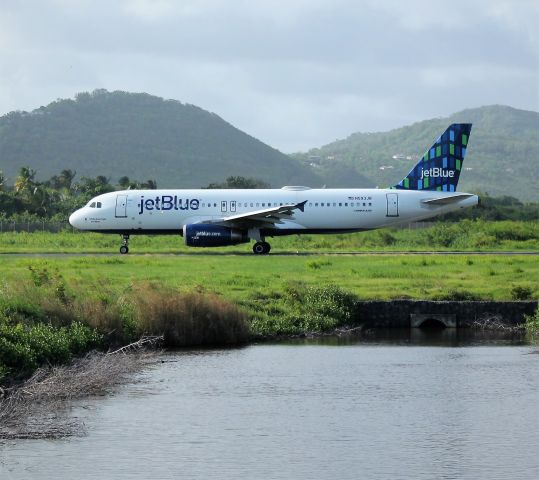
330	301
532	323
442	235
318	309
192	318
458	295
23	348
521	292
386	238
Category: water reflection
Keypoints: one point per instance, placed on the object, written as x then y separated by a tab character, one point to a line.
446	337
379	406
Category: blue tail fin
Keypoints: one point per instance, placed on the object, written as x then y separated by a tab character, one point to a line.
439	169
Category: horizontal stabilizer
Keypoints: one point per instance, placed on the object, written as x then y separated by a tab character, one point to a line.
447	200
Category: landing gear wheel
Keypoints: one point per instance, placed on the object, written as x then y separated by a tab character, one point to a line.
261	248
124	248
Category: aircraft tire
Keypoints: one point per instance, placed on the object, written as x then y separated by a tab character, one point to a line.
261	248
124	249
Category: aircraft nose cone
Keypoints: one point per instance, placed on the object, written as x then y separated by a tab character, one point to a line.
74	219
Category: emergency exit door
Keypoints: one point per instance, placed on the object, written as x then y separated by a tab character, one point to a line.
121	206
392	205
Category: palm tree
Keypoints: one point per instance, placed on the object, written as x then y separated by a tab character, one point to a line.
25	180
66	178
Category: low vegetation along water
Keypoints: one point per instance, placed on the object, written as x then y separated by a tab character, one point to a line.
52	311
411	407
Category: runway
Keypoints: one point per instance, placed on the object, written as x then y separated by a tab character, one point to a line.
276	254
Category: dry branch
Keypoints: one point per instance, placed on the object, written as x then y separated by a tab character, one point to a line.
495	322
39	408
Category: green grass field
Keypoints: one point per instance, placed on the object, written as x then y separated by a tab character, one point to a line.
243	277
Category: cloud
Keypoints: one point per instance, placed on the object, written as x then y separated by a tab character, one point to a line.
294	74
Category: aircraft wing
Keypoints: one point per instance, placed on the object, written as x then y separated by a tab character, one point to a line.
258	218
447	200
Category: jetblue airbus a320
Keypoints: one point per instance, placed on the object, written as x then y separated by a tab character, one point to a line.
215	218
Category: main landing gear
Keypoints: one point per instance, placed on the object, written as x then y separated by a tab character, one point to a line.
261	248
125	245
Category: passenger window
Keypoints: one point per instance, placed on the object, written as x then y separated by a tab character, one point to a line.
316	204
346	204
340	204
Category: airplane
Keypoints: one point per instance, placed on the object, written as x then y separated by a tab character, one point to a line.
216	218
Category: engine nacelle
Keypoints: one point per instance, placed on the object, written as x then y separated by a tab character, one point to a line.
207	235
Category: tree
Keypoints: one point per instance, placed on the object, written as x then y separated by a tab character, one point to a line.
124	182
149	185
66	178
94	186
62	181
25	180
239	182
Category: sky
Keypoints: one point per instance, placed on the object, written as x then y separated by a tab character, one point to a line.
295	74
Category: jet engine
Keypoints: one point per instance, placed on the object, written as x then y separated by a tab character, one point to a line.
207	235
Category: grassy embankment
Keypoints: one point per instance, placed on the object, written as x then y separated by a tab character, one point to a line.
466	235
54	309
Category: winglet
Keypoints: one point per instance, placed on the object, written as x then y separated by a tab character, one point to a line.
301	205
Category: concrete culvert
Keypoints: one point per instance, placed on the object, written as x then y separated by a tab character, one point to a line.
433	321
432	324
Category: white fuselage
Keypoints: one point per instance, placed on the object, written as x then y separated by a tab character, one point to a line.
325	210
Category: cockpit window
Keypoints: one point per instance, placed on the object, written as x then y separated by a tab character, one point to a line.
92	205
98	204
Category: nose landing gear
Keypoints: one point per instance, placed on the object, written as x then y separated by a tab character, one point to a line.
125	245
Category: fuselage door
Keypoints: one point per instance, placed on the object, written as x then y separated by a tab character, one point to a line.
121	206
392	204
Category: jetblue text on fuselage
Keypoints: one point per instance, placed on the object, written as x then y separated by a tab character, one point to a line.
167	202
437	172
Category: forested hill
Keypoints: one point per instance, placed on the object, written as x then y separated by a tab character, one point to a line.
502	158
144	137
141	136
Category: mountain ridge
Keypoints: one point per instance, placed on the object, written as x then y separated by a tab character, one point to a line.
504	144
183	146
142	136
